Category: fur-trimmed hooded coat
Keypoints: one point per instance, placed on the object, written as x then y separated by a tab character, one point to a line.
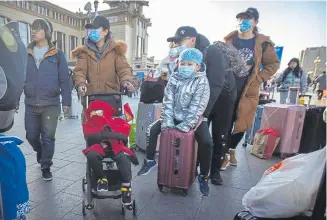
249	99
102	71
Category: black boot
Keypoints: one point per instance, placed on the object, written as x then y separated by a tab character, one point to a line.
216	178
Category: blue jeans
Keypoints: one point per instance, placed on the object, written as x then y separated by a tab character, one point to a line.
40	126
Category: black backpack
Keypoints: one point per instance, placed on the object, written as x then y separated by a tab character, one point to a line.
152	90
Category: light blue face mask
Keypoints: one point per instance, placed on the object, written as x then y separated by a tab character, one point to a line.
186	71
94	35
174	52
245	25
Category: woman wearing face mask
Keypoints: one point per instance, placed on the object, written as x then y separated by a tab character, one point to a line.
256	49
293	76
101	63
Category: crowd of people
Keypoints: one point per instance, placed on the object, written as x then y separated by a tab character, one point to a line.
202	81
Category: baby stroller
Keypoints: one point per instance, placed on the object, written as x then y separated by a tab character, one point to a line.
110	167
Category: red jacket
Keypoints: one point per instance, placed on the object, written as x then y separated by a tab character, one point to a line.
99	119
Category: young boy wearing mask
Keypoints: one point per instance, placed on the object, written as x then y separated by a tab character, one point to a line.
186	98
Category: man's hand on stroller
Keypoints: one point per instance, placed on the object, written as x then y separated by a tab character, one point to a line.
82	90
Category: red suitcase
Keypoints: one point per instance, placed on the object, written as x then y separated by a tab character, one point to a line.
177	160
291	136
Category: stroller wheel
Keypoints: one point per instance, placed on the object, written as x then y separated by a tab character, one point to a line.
123	210
83	208
83	184
134	208
245	144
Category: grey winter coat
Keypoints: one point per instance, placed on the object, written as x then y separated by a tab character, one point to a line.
185	100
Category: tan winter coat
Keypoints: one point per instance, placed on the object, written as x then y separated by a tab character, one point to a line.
250	98
105	75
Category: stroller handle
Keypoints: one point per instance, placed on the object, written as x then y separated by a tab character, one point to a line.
87	97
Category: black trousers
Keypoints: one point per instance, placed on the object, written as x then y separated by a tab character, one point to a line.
202	136
122	161
221	117
40	125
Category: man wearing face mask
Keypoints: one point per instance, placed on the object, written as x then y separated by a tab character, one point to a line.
256	49
222	91
101	63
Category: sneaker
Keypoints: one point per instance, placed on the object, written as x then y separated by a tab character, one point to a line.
46	174
147	167
38	157
126	195
232	159
216	178
204	185
225	163
102	185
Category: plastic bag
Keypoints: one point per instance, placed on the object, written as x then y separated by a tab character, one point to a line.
287	189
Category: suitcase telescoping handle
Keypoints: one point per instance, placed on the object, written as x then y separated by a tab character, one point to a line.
104	94
309	96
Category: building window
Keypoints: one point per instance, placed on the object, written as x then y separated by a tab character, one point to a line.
73	42
137	66
139	47
143	45
61	40
2	20
83	41
34	7
23	31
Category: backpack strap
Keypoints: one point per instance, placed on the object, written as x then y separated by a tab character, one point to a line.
58	58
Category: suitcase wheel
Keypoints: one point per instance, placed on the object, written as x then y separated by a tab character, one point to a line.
184	192
160	187
245	144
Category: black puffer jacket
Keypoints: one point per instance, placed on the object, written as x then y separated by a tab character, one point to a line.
220	78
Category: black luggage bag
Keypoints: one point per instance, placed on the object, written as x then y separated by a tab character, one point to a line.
314	130
152	91
318	213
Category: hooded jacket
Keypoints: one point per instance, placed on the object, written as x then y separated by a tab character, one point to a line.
13	186
185	100
219	76
249	99
45	84
104	70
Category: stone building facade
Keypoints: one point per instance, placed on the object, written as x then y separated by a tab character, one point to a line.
126	19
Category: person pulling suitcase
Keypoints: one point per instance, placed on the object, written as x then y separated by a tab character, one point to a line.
183	105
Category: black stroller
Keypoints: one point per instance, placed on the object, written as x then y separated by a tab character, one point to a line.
89	183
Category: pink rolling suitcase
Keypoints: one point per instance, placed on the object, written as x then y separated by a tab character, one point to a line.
274	116
287	121
291	137
177	160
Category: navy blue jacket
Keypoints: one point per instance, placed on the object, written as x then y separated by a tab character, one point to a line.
43	86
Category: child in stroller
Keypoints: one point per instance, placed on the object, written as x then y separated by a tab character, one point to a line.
107	136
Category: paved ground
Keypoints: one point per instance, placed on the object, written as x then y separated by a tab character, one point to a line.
62	198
